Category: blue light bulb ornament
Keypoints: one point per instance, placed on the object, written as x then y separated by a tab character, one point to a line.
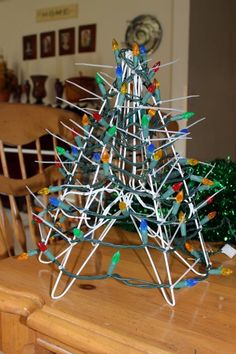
191	282
150	149
186	283
144	230
143	52
74	151
119	76
96	157
59	204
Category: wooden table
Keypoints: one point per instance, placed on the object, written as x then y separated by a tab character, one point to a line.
111	317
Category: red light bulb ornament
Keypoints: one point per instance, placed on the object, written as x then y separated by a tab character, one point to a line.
99	119
172	189
43	248
37	219
154	70
150	91
207	201
60	169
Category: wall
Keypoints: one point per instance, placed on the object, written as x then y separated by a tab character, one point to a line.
17	18
212	74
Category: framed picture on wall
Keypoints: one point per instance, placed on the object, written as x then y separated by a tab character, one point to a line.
87	38
30	47
47	44
66	41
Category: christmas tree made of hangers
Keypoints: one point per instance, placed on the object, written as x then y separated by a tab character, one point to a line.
134	163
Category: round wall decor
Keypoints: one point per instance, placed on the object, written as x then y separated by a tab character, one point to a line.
144	30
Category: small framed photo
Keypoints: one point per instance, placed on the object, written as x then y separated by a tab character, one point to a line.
47	44
67	41
30	47
87	38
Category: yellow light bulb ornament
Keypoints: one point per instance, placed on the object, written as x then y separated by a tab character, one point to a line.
193	162
151	112
44	191
116	50
115	45
124	88
122	206
226	271
23	256
158	155
156	83
183	229
181	216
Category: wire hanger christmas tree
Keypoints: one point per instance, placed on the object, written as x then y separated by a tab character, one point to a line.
137	176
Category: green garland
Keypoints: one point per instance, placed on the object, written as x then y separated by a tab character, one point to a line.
223	227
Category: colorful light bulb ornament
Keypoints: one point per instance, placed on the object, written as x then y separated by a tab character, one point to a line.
129	168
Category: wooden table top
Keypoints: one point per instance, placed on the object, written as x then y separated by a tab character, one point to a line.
114	318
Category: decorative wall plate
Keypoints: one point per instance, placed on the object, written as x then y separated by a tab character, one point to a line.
144	30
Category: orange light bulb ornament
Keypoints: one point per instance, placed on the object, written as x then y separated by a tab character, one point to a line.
86	122
105	159
135	49
178	200
208	217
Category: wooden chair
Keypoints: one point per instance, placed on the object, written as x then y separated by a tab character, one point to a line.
21	125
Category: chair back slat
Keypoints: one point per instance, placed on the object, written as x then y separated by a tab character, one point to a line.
23	126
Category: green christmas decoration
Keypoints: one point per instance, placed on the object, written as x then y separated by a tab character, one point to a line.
135	177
